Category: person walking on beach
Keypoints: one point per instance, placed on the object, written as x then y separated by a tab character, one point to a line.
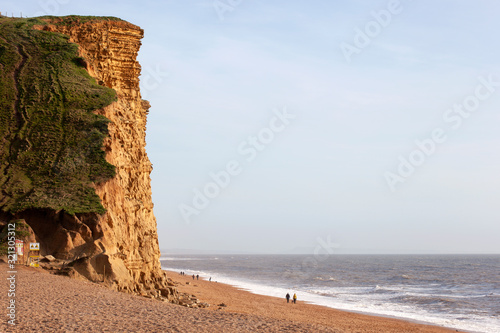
193	276
287	297
197	277
294	298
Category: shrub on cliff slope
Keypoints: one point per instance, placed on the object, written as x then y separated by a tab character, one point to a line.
51	140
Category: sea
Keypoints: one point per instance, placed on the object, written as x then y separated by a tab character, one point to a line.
455	291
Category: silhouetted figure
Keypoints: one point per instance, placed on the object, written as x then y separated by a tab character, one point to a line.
193	276
287	297
197	277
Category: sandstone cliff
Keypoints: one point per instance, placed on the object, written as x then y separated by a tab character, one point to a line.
121	245
129	233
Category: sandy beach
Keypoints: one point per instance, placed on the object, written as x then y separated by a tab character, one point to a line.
244	302
50	303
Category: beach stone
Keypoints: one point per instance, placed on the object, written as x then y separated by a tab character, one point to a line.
50	258
165	292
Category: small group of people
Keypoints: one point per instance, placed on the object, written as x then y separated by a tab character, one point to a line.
195	276
294	299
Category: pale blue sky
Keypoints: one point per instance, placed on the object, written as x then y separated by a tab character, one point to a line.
325	172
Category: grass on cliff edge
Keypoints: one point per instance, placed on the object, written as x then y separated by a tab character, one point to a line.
76	19
51	140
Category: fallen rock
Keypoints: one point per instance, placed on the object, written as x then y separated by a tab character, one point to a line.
49	258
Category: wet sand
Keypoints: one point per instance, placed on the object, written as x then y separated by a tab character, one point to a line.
50	303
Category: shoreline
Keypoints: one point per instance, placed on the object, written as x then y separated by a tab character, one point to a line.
243	301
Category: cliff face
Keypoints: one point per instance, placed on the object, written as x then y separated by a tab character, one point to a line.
120	246
129	238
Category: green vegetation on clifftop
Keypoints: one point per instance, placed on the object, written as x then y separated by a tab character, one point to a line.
51	151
